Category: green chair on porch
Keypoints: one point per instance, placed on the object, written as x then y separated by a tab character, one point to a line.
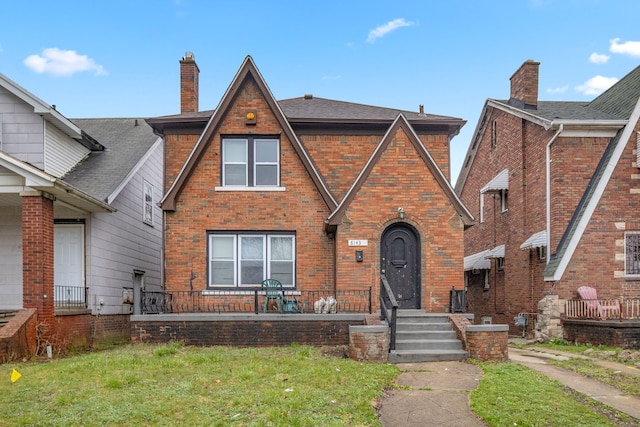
273	292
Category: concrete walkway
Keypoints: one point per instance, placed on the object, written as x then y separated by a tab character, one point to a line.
437	393
537	360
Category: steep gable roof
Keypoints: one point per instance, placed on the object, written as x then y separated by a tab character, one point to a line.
401	123
127	141
620	99
247	69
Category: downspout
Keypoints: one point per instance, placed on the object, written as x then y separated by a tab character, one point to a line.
548	189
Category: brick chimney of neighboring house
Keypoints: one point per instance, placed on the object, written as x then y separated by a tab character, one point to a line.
189	73
524	86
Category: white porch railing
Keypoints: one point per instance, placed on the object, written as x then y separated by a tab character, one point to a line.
607	309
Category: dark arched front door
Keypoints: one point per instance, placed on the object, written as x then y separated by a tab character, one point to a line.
400	262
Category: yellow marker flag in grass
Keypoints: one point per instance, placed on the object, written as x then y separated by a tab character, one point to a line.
15	376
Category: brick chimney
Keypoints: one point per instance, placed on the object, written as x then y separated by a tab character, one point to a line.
524	86
189	73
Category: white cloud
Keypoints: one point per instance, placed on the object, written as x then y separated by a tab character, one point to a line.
62	63
599	58
385	29
556	90
596	85
626	48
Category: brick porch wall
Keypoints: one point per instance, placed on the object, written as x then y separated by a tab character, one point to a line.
18	337
258	331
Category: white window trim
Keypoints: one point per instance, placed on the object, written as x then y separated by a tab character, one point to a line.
245	163
147	187
237	265
241	188
481	207
256	163
504	200
250	143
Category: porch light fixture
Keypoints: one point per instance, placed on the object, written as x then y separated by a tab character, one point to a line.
401	213
250	118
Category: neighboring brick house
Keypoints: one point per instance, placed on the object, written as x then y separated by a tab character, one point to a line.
555	188
79	229
319	194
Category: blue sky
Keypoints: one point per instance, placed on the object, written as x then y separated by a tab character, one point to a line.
119	58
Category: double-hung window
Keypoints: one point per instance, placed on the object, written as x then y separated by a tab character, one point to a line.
246	259
632	253
250	161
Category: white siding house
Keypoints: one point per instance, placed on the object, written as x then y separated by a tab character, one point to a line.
103	178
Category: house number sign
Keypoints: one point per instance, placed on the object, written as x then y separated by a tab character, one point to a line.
358	243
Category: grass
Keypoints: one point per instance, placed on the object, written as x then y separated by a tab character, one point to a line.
514	395
146	385
150	385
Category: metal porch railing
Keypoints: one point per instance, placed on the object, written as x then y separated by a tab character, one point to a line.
249	301
388	309
69	297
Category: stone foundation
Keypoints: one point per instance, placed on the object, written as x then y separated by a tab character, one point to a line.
549	325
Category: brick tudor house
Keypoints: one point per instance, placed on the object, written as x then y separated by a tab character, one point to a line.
79	230
555	188
316	193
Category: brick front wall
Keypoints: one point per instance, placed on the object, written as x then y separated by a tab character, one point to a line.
603	241
401	179
614	334
200	208
521	148
82	330
243	333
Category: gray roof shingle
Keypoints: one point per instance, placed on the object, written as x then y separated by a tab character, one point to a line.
315	109
126	140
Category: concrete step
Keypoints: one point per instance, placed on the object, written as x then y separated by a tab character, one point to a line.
401	325
444	345
425	335
415	356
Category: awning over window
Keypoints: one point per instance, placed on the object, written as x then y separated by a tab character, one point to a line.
536	240
497	252
477	261
500	182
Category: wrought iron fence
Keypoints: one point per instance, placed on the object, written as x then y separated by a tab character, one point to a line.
69	297
612	309
254	301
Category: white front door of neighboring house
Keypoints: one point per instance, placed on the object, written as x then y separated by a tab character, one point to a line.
69	264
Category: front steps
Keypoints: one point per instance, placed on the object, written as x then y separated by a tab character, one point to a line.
425	337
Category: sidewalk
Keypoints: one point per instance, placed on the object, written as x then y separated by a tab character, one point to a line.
437	393
536	359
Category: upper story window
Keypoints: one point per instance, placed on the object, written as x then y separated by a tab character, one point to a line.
632	253
245	260
250	161
504	200
147	215
494	134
